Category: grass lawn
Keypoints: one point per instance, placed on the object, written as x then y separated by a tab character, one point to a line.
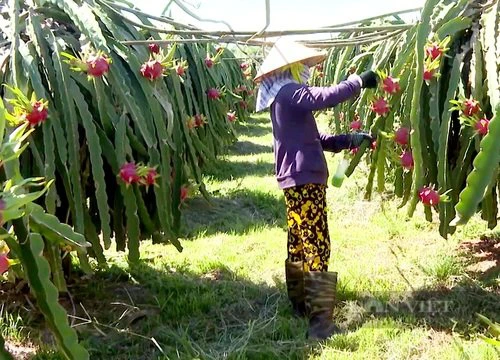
405	292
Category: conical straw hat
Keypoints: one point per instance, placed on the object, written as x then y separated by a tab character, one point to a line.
285	52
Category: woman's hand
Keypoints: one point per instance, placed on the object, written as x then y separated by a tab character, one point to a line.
370	79
357	139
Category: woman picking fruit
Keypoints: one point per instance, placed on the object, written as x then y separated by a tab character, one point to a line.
302	172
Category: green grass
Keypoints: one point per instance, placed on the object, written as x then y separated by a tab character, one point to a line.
11	326
405	292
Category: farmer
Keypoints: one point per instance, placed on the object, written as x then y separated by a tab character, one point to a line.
302	172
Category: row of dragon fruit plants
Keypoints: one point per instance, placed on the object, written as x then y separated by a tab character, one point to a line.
123	133
436	112
101	141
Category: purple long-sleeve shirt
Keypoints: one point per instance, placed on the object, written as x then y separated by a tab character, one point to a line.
298	145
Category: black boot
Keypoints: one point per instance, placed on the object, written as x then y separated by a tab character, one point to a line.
295	286
320	288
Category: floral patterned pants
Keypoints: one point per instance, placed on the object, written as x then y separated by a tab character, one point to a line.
308	237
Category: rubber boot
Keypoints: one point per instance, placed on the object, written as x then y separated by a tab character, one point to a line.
294	272
320	289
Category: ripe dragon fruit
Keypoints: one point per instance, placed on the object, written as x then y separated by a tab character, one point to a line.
199	120
471	107
38	114
380	106
4	263
391	85
97	65
356	125
213	94
154	48
231	116
128	173
428	74
152	69
407	160
402	136
150	177
434	51
184	193
482	126
428	196
209	62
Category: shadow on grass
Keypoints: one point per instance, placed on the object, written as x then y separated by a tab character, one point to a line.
262	119
483	257
229	170
249	148
162	312
170	313
255	128
240	213
442	308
